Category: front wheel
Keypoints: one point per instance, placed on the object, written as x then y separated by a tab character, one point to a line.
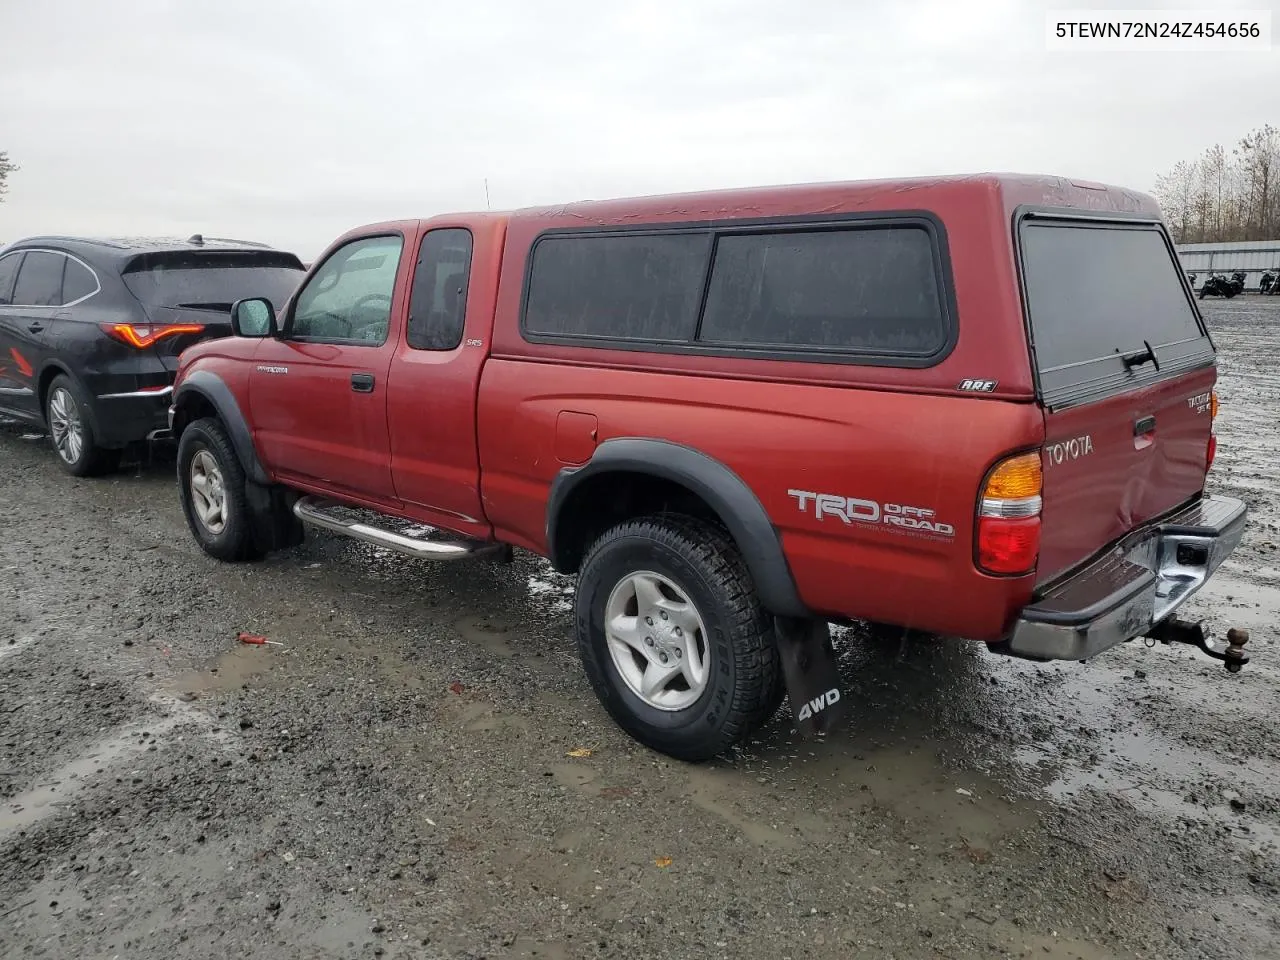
212	486
673	638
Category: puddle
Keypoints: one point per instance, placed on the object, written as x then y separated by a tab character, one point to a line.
229	671
60	788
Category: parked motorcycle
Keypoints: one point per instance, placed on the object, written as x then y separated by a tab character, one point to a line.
1219	286
1268	283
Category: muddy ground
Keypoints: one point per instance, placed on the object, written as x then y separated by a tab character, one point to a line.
397	778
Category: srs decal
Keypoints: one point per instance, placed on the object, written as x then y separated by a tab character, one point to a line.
1073	449
897	517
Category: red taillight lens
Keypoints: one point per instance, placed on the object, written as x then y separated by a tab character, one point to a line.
1212	452
1008	546
144	335
1008	532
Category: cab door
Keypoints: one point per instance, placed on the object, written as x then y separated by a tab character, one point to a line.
318	392
436	373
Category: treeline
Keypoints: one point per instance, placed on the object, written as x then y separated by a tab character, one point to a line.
1225	195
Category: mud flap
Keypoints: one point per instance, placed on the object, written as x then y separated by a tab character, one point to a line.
813	681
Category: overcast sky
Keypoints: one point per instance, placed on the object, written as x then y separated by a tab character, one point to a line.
289	121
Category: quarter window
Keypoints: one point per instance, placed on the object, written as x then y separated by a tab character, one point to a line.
349	298
438	304
78	281
40	280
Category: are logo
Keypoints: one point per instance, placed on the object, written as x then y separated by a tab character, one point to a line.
1073	449
978	386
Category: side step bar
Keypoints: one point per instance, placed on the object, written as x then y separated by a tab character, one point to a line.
312	510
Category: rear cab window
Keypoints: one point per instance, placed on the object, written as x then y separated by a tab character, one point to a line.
1097	291
854	291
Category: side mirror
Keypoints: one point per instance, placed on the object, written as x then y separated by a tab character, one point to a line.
254	317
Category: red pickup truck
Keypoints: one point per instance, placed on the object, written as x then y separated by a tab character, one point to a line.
979	406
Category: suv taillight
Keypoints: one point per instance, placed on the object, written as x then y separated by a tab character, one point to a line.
143	335
1008	535
1213	431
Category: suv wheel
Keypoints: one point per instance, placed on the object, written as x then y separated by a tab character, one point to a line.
673	638
211	481
65	409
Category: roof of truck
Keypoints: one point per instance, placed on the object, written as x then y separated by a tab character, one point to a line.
848	197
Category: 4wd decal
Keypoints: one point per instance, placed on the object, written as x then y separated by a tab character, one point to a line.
1073	449
820	702
852	510
266	368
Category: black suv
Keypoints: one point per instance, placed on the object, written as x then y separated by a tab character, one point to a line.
90	330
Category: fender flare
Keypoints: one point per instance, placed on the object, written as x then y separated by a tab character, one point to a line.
211	387
718	486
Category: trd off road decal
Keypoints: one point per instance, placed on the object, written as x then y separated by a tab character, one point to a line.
896	517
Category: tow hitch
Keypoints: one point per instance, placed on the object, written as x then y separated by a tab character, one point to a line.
1174	630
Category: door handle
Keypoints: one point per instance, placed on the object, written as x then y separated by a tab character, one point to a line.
362	382
35	326
1144	426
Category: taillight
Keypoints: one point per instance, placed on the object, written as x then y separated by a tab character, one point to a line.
1212	451
144	335
1008	540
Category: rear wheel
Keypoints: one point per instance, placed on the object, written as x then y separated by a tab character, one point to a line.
212	486
673	638
70	432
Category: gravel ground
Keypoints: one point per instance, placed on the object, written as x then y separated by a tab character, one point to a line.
404	776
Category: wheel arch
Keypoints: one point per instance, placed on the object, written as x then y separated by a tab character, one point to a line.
204	393
626	476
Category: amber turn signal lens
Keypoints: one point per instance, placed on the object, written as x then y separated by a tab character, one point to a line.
1015	478
1213	404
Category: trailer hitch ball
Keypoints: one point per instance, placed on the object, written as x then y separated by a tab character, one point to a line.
1233	656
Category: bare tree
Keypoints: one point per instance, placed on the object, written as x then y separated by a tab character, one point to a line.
1223	196
6	168
1175	191
1260	159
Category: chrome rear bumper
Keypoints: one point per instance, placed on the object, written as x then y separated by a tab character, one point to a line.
1132	588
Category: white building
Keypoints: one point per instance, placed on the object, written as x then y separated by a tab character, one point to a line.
1254	257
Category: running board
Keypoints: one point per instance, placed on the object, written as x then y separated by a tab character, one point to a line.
312	510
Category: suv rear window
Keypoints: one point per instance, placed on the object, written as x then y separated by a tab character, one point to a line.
1097	291
212	280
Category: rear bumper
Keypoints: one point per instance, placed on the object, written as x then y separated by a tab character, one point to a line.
124	418
1136	585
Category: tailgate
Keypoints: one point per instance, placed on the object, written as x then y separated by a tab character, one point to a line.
1125	370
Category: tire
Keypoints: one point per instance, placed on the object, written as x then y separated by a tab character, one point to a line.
66	411
219	516
695	562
